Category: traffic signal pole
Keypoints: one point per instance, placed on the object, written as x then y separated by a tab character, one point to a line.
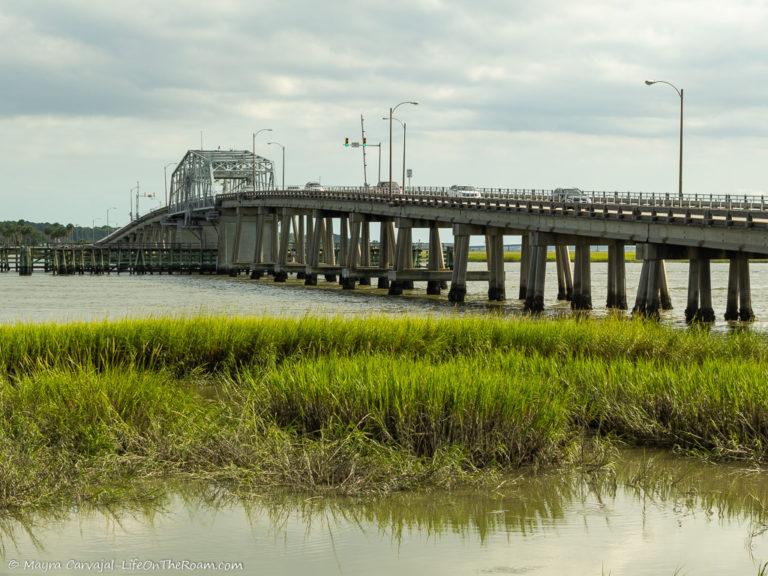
365	166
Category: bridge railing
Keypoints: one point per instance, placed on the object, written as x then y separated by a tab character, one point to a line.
642	199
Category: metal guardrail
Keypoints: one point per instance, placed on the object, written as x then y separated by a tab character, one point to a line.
701	209
714	201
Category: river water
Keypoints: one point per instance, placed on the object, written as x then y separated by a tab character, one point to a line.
43	297
703	519
656	515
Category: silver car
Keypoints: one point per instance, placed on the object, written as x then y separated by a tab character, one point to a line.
570	196
464	191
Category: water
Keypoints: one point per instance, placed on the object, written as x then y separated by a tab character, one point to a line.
43	297
651	520
656	515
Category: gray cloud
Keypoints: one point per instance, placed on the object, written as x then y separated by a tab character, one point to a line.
148	76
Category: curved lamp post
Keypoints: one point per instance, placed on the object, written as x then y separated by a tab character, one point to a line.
283	163
254	152
165	179
391	112
680	169
404	125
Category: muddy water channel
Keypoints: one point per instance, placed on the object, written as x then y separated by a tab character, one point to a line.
648	513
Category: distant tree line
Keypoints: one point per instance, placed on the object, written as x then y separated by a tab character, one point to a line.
26	233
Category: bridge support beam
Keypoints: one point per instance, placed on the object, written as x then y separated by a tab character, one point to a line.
280	271
402	257
564	277
494	251
739	305
525	259
699	308
458	290
582	278
537	273
386	248
365	250
436	260
617	283
329	248
652	290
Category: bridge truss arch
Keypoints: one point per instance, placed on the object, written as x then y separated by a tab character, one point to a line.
204	174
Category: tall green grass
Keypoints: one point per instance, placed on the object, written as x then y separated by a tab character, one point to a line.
358	405
212	344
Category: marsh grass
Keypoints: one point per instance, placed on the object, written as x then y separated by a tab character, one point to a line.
359	406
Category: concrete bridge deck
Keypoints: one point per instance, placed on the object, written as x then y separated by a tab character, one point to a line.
281	232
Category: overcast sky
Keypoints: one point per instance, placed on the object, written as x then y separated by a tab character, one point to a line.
97	95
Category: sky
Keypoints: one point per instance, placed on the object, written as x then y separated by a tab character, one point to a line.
97	96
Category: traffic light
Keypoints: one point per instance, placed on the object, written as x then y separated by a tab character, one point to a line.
346	141
365	140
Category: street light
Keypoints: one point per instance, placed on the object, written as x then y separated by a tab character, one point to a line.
404	125
108	209
165	176
93	230
254	152
283	163
680	169
391	112
130	194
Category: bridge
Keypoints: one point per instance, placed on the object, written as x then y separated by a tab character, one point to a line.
227	202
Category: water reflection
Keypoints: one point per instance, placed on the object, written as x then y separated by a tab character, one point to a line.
641	515
42	297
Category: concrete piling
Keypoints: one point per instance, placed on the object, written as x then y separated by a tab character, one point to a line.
582	280
494	247
525	262
458	291
436	261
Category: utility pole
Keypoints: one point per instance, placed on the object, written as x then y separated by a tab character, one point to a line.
365	167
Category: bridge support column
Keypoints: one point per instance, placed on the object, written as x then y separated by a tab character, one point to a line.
745	293
706	312
699	308
258	246
315	228
436	260
664	299
300	243
692	309
329	248
739	306
537	273
365	250
408	284
281	274
494	254
564	277
343	238
386	241
402	258
458	290
352	251
617	283
732	304
582	278
525	262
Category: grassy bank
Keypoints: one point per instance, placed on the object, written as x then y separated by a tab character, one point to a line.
358	405
515	256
